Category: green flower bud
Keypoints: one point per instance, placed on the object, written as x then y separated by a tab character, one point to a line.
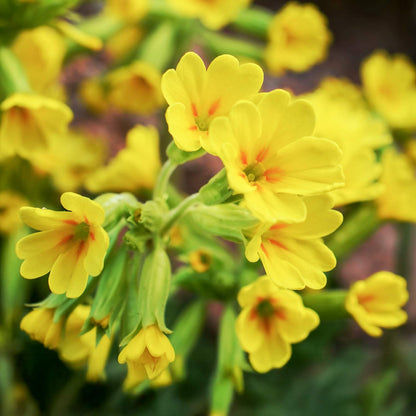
152	214
117	206
216	190
226	220
154	288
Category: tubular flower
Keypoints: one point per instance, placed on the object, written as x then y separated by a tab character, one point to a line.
398	201
71	245
39	325
271	320
136	166
135	88
129	11
343	116
298	39
147	355
197	95
30	122
390	85
41	51
10	203
376	302
214	14
78	350
272	158
294	255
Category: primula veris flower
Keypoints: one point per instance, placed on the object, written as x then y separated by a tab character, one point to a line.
271	320
376	302
343	116
78	350
197	95
214	14
147	355
272	158
294	255
71	244
134	167
135	88
10	203
40	326
389	83
93	94
123	42
128	11
298	39
41	52
398	200
30	122
70	160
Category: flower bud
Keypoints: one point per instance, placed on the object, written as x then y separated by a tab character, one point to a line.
216	190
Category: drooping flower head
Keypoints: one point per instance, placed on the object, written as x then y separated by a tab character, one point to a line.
298	39
40	326
78	350
398	200
376	302
134	167
272	157
30	122
389	83
271	320
147	355
135	88
294	255
197	95
71	245
214	14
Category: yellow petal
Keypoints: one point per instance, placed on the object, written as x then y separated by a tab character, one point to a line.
90	210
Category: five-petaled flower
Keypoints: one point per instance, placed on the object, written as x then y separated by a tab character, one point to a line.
294	255
71	245
271	320
272	158
376	302
197	95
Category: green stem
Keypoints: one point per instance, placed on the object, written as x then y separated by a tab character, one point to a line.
254	21
220	43
357	227
177	212
162	182
329	304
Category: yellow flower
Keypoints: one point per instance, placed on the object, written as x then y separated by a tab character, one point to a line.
200	260
71	245
342	116
214	14
294	255
390	85
40	326
30	122
123	42
134	167
271	320
197	95
93	95
78	36
71	160
135	88
376	302
78	350
147	355
298	39
398	201
129	11
10	203
41	52
272	158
